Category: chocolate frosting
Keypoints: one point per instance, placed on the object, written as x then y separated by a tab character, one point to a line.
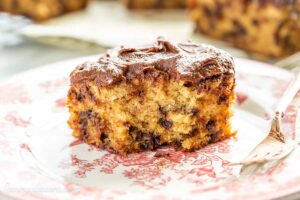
172	61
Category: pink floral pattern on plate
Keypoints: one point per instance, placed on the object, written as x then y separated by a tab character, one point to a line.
41	160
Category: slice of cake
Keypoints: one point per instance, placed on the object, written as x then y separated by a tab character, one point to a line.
154	4
270	28
136	99
40	10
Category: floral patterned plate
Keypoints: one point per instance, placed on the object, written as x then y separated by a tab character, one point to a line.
39	159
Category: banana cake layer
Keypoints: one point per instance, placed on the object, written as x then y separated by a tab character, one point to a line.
40	10
266	27
136	99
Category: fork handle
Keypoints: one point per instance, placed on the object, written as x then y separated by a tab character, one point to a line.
289	94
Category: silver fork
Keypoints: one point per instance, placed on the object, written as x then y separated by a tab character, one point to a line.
276	145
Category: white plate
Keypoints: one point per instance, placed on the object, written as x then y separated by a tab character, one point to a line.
41	160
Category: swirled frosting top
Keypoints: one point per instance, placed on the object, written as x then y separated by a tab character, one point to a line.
173	61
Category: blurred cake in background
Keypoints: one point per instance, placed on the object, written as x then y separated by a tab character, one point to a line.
40	10
154	4
267	27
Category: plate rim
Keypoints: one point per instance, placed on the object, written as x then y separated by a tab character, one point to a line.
43	67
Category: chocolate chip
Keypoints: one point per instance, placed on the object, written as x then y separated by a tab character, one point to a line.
144	146
136	134
279	39
213	14
141	93
255	22
83	122
162	111
126	124
144	124
193	133
140	136
155	141
148	141
207	11
88	94
218	12
177	144
210	125
103	136
203	85
222	99
165	123
225	83
239	28
195	111
131	129
188	84
79	96
214	137
84	116
85	133
147	73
